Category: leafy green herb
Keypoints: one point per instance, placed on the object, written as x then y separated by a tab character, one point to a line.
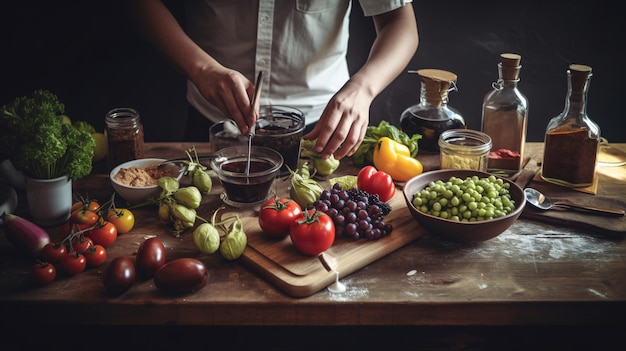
364	154
35	139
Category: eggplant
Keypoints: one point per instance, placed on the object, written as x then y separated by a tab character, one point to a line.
26	236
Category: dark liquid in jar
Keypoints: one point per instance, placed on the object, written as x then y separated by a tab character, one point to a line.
277	138
247	189
429	129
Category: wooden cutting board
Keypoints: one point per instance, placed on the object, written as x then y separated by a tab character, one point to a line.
300	276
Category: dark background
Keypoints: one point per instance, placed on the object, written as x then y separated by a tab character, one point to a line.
92	56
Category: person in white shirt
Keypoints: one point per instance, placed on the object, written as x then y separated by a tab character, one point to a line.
301	47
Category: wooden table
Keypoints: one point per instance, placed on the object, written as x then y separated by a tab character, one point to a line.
533	275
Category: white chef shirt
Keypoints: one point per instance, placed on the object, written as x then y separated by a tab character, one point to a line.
301	46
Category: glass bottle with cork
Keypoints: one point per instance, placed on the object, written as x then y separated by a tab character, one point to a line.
572	139
124	134
505	116
432	115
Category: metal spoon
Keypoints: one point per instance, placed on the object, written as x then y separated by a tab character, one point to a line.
537	199
255	100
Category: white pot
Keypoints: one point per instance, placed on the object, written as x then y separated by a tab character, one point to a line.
49	200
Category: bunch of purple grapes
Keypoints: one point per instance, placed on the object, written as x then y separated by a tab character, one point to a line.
356	213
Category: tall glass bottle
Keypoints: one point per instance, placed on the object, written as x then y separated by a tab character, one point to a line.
572	138
432	115
504	117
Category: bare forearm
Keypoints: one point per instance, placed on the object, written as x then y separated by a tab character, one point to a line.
396	42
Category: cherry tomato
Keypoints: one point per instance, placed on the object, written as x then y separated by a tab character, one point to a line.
81	243
53	252
313	232
91	205
119	275
73	263
373	181
96	255
150	257
104	233
84	216
122	218
276	216
43	273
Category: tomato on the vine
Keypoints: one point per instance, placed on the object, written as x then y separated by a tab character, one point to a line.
43	273
84	217
74	263
122	218
96	255
313	232
53	252
81	243
91	205
277	215
373	181
104	233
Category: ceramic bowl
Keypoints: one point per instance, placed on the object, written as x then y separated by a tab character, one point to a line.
251	188
456	230
138	193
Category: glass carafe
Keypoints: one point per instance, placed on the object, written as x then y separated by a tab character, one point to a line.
432	115
572	138
504	118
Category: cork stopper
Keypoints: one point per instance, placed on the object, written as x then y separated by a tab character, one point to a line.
579	75
510	65
436	84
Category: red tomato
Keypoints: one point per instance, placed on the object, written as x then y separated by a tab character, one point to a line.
92	205
84	216
276	216
122	218
81	243
96	255
53	252
104	233
119	275
313	232
43	273
378	182
74	263
150	257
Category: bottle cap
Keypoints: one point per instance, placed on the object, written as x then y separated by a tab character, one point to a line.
437	83
510	64
578	77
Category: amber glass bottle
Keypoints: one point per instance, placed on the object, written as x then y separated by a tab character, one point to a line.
432	115
504	117
572	138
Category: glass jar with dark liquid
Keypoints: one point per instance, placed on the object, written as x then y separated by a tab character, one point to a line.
432	115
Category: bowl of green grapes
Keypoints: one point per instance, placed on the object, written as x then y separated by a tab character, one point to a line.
463	205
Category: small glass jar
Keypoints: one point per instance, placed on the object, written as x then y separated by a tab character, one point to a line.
464	149
124	134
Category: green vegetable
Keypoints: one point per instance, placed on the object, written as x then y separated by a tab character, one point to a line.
206	238
364	155
235	242
197	172
37	141
323	166
189	196
304	190
85	126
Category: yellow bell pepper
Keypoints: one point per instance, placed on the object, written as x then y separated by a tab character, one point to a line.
395	159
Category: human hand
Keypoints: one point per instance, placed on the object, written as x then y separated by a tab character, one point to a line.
342	126
231	92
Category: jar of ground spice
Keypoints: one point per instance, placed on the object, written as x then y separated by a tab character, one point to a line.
124	133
